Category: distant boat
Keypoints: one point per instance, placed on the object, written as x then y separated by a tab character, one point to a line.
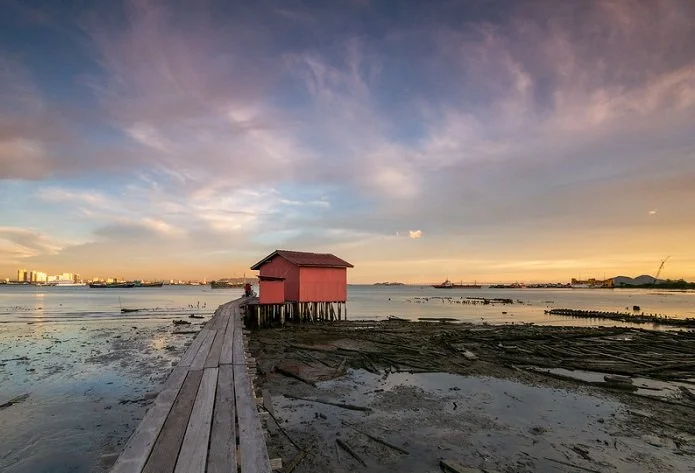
112	285
68	284
450	285
225	284
149	284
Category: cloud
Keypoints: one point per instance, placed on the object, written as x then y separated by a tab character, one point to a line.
415	234
548	119
19	243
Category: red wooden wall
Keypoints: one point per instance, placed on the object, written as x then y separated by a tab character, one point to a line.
272	292
322	284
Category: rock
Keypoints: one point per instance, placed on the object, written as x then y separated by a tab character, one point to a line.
469	355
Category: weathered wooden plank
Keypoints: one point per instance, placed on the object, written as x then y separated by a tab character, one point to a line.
200	357
214	322
227	354
253	453
138	448
166	449
194	450
222	453
213	358
192	350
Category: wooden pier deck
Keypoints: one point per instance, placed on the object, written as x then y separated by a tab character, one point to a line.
205	417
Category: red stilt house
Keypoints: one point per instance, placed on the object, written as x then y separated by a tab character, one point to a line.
307	284
308	277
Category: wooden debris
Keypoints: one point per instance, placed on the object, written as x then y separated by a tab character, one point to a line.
276	464
296	461
449	466
687	393
378	439
572	465
342	405
294	375
14	400
268	402
616	378
350	451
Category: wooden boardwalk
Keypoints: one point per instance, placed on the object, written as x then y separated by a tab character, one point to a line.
205	417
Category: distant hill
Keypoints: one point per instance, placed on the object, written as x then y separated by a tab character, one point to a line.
638	281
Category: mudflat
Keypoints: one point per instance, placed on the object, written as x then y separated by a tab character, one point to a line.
426	397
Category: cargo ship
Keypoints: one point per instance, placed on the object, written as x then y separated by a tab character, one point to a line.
225	284
112	285
450	285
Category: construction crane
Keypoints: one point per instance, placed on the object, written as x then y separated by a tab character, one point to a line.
661	266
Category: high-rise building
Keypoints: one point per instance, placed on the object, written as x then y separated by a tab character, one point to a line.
22	275
39	276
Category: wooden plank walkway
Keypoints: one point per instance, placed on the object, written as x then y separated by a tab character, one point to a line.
205	418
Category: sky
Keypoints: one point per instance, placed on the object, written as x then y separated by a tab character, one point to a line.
479	140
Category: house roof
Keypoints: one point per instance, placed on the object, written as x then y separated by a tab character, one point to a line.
301	258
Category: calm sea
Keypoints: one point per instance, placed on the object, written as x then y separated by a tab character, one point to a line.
82	304
85	367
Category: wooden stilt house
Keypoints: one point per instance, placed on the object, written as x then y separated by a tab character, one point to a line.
300	286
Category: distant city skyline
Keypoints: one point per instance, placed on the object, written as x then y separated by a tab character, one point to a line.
484	140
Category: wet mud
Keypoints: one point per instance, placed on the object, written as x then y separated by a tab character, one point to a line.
423	397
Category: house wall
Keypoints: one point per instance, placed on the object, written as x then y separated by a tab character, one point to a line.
272	292
281	268
322	284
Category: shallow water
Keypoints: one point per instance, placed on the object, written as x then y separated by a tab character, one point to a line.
411	302
86	368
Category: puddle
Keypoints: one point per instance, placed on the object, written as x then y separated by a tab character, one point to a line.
645	386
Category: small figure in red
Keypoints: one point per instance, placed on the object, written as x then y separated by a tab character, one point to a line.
247	290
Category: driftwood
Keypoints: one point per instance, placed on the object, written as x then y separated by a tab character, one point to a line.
378	439
572	465
14	400
296	461
330	403
350	451
687	393
284	432
295	376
